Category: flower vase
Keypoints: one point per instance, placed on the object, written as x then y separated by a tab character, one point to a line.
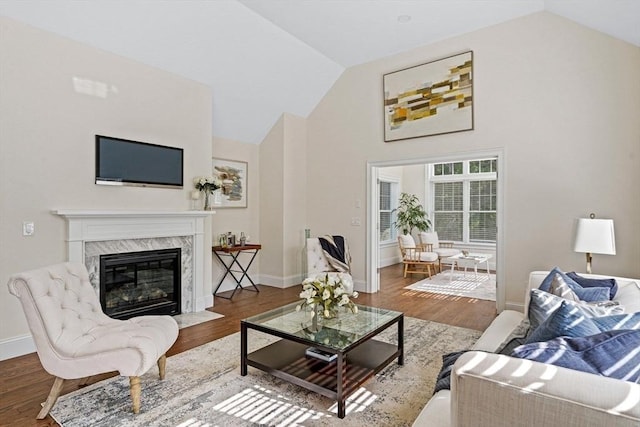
207	201
316	319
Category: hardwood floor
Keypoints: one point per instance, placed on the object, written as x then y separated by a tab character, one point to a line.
24	384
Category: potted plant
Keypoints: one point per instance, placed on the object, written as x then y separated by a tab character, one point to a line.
410	214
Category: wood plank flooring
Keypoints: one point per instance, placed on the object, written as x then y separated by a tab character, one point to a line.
24	384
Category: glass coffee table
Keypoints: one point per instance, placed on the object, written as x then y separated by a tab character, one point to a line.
333	357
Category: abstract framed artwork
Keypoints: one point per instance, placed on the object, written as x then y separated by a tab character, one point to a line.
429	99
233	177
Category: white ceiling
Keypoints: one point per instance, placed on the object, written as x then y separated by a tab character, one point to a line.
265	57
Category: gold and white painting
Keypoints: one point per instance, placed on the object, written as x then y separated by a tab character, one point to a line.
429	99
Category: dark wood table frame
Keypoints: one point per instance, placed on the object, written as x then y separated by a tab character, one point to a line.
336	380
234	252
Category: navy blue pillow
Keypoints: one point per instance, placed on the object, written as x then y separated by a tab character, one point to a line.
566	321
585	294
614	354
443	382
585	282
569	321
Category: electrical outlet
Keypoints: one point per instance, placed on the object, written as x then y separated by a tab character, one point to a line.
28	228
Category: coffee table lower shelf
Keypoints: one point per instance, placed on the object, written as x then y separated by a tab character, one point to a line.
287	360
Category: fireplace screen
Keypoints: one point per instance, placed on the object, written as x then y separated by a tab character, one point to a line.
137	283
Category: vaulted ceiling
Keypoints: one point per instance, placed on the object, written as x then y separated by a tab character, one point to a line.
276	56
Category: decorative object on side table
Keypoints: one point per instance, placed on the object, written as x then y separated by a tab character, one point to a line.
206	185
326	294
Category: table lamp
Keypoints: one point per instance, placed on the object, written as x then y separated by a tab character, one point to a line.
594	236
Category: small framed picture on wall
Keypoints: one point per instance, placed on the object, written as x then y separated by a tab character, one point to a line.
232	175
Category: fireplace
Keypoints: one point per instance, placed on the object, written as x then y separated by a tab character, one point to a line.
139	283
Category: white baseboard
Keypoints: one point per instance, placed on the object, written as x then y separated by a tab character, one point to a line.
17	346
278	281
386	262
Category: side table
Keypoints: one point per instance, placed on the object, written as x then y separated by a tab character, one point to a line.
232	253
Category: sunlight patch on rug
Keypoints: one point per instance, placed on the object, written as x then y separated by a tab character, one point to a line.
458	283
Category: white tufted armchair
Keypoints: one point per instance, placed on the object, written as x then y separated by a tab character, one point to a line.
317	263
75	339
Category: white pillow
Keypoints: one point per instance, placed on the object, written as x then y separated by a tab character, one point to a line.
407	241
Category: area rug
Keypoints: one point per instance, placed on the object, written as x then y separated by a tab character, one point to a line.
458	283
191	319
203	387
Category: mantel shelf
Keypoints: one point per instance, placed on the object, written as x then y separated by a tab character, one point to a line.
83	213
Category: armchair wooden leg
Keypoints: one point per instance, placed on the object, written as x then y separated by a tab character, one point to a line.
162	365
134	386
83	382
51	399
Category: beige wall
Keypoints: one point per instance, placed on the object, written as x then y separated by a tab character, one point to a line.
283	202
238	220
47	143
271	202
563	103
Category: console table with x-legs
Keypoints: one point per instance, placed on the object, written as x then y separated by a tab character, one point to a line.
231	254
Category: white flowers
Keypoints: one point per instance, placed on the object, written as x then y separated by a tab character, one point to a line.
328	292
206	183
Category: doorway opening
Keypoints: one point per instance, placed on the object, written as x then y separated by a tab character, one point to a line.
463	196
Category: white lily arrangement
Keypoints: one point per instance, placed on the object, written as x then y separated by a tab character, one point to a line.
327	293
206	184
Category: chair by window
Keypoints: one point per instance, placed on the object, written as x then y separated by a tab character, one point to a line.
75	339
416	258
443	249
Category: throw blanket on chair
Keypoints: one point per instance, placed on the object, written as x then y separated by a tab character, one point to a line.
337	252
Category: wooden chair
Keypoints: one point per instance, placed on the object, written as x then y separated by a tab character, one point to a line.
444	249
416	258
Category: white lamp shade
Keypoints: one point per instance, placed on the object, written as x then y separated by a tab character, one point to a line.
595	236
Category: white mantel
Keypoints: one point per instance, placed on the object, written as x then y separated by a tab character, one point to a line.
106	225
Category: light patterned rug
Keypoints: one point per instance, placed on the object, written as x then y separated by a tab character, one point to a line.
203	387
459	283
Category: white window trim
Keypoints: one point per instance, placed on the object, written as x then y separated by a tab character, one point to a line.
395	194
466	177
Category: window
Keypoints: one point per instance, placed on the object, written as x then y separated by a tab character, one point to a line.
464	200
448	210
387	202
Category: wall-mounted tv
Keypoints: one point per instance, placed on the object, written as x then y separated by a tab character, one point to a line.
124	162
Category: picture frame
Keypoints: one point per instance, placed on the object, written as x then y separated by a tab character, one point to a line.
233	174
429	99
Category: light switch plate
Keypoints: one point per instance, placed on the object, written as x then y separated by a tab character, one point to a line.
28	228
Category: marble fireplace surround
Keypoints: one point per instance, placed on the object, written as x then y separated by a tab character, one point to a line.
91	233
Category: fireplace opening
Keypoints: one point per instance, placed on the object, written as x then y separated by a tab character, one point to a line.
140	283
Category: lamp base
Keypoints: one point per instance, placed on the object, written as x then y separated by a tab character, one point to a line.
589	263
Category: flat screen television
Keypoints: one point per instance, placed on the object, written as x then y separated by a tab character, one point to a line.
124	162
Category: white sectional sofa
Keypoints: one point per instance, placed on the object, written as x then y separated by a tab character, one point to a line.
493	390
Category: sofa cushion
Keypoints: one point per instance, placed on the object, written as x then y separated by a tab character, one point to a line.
543	304
584	294
586	282
614	354
562	289
570	322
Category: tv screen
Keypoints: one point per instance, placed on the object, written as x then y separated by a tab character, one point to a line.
124	162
